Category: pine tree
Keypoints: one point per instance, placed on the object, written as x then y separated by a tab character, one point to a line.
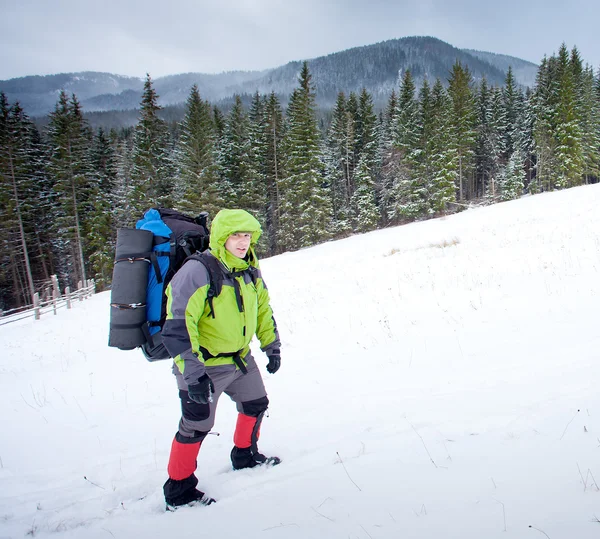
100	238
543	107
103	161
6	287
100	230
433	184
484	158
406	125
367	144
123	214
234	158
40	209
512	180
389	119
577	72
4	112
568	136
400	193
498	126
339	158
305	209
153	173
524	136
273	167
462	124
388	156
198	186
590	127
422	184
367	133
353	136
218	124
258	143
444	160
18	199
510	102
73	185
365	214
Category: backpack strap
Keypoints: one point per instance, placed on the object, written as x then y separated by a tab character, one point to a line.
153	255
236	288
147	334
215	276
154	261
253	274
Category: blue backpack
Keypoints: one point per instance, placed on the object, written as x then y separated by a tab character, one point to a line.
146	259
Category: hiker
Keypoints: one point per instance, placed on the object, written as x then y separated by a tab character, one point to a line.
208	335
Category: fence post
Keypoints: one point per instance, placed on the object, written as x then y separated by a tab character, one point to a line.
79	290
68	296
36	306
55	292
55	285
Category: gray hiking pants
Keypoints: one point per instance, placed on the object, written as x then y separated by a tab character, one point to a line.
246	390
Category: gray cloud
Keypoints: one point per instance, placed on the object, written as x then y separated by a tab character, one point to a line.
132	37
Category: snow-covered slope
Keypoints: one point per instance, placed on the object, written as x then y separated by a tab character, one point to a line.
438	380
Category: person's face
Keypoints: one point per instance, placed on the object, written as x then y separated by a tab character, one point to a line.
238	243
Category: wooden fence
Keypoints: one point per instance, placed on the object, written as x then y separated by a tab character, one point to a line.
50	301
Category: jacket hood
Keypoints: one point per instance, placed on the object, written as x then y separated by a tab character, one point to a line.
226	223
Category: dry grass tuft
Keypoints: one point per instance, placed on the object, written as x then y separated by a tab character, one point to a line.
439	245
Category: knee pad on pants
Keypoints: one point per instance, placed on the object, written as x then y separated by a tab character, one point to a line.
256	407
191	410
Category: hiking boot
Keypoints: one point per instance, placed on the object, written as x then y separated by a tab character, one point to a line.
244	458
199	499
184	492
191	497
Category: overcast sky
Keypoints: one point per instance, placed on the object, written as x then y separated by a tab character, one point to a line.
130	37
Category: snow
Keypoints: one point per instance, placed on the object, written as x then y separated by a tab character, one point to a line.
438	380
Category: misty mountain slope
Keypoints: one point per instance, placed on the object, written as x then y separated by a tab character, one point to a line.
437	380
38	94
376	67
522	69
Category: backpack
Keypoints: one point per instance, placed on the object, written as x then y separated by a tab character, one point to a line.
146	259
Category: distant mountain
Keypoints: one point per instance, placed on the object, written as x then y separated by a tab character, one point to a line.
522	70
378	68
38	94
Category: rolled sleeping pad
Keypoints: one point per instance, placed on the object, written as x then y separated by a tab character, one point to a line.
128	293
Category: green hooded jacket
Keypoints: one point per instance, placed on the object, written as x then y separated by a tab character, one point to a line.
189	325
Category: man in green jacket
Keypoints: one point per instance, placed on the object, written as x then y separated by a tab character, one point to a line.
209	339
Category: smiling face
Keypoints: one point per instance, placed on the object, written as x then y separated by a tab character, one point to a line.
238	243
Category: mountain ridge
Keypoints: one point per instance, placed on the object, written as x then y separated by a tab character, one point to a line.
377	67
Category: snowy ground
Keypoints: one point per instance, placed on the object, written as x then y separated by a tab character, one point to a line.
438	380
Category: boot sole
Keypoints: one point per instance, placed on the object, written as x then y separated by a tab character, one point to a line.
205	500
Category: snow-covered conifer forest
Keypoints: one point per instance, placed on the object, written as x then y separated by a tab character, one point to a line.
308	175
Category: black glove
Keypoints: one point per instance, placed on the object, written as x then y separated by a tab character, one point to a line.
274	362
201	392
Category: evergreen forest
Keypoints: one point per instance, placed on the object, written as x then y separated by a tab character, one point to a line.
307	175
